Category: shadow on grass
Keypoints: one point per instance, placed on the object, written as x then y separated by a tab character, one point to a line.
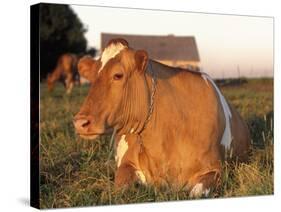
261	129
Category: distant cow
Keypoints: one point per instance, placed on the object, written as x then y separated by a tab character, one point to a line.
65	71
174	127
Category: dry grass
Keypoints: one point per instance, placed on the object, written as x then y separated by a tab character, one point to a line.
78	173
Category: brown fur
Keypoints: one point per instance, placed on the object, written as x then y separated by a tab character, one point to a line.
180	145
65	71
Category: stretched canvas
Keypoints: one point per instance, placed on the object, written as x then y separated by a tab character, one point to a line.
136	106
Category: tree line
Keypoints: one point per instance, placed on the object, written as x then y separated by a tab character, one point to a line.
61	31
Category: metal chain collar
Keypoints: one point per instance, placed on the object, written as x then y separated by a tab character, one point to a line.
153	91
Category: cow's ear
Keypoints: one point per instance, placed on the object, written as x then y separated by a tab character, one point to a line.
141	58
87	68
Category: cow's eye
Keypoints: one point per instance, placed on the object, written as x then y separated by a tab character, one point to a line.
118	76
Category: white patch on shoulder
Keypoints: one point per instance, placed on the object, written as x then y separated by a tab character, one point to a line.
110	52
227	137
198	191
121	149
141	176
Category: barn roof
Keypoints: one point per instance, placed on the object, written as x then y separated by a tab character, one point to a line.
160	47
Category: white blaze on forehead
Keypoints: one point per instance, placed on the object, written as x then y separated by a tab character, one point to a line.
198	191
110	52
122	148
141	177
227	137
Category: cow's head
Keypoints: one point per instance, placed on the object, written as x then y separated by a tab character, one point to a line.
118	97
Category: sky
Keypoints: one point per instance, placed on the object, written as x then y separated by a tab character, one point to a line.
227	44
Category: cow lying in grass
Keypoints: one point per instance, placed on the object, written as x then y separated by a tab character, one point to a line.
173	126
65	71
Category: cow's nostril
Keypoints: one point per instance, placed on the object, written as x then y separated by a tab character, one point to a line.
85	123
81	123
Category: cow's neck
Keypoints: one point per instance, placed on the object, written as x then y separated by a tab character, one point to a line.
136	107
167	111
142	121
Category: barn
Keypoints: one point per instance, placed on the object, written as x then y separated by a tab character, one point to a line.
177	51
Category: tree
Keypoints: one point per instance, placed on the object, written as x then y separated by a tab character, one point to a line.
61	31
92	51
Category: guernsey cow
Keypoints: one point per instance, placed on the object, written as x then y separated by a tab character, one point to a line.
65	71
173	126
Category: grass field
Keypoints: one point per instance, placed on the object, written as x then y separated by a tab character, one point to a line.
74	172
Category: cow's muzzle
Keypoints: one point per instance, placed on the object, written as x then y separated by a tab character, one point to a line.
82	124
85	127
